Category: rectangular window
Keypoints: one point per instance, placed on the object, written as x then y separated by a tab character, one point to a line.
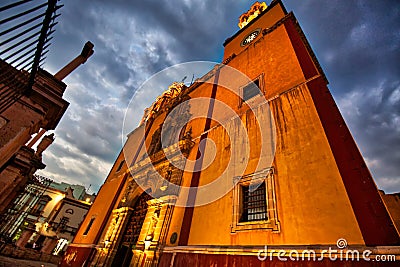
40	205
120	166
89	226
254	203
251	90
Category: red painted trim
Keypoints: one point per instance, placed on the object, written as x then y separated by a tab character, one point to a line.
306	62
79	256
198	259
144	260
165	260
372	216
188	215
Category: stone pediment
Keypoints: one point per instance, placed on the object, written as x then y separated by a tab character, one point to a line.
155	172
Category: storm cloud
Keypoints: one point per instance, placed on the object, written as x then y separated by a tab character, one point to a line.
357	43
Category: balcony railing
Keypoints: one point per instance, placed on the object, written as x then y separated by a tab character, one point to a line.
26	29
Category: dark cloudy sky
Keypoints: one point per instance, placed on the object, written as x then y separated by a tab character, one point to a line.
357	43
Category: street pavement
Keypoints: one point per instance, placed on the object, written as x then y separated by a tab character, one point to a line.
11	262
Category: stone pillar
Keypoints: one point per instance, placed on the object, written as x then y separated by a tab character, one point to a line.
21	123
14	177
87	52
17	173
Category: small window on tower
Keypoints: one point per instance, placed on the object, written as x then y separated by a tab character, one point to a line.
120	166
251	90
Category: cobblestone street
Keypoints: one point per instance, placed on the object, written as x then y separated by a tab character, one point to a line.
11	262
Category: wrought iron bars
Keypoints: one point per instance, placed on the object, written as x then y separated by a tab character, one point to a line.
24	39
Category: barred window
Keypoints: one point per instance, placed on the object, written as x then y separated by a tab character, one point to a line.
40	205
254	203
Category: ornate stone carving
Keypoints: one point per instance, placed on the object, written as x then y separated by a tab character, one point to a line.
173	91
155	144
114	225
255	10
148	172
136	219
153	223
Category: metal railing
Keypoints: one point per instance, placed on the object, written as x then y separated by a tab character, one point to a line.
26	29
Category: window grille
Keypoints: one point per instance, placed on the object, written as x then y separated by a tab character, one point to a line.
254	203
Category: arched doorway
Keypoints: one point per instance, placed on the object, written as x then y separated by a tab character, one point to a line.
131	232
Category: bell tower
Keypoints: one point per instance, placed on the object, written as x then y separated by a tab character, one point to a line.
270	41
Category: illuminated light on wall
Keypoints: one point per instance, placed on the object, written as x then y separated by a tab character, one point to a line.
60	245
147	244
255	10
58	198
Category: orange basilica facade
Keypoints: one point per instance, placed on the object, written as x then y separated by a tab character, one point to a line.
250	165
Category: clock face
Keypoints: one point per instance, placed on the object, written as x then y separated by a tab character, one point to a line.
249	38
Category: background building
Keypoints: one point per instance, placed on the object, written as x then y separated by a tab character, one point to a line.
45	217
308	190
31	99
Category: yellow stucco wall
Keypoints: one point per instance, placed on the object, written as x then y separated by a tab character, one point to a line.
312	203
